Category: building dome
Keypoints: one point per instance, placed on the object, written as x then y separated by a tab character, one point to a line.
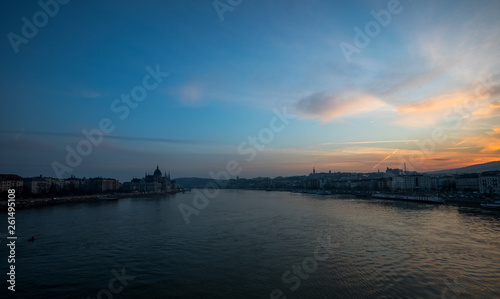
157	172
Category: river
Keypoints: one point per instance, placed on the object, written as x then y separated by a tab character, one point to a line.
255	244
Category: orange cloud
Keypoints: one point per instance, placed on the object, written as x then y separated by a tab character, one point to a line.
493	142
327	106
430	111
485	143
468	103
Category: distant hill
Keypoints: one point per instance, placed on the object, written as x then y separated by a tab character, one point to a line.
478	168
193	182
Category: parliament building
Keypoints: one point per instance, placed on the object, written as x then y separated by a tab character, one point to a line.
156	183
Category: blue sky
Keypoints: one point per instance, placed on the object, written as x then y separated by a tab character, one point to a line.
432	70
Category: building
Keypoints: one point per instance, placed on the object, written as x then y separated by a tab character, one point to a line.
489	182
312	184
72	185
393	172
414	182
444	183
155	182
364	184
11	181
467	182
40	184
36	185
384	183
76	185
100	185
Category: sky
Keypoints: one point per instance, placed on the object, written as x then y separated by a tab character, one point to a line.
248	88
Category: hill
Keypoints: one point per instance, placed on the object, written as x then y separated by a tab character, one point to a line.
193	182
478	168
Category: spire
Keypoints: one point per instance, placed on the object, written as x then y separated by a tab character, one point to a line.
157	167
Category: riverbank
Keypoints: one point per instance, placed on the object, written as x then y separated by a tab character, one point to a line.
53	201
459	198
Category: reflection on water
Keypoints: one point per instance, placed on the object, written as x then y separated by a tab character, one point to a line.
248	244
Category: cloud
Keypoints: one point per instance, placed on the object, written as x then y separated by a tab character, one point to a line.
356	90
370	142
330	106
16	145
126	138
429	111
466	45
492	142
468	102
191	92
406	83
487	142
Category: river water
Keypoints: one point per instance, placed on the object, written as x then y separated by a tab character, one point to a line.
255	244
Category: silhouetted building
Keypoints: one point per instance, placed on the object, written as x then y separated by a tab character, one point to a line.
393	172
40	184
155	182
312	184
467	182
447	182
100	185
11	181
412	182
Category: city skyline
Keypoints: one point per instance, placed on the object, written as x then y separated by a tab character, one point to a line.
267	89
225	175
